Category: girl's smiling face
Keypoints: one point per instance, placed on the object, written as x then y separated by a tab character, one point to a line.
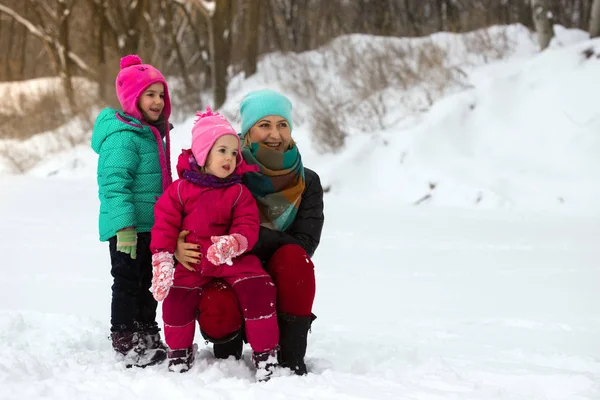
152	102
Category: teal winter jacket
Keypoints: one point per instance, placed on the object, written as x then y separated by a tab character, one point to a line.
133	171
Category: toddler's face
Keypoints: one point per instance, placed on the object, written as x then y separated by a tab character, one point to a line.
152	102
222	158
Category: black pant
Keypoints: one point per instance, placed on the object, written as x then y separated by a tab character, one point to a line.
133	308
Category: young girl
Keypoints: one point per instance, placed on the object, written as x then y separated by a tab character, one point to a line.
133	171
221	214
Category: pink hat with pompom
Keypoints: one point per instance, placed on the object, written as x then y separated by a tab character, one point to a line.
131	82
208	128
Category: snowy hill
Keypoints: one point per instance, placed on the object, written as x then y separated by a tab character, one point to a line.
518	132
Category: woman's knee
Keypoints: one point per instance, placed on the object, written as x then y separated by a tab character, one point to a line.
291	260
293	272
219	311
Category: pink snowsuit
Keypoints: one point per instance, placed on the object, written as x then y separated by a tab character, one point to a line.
213	211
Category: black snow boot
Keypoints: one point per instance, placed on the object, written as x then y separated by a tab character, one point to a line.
231	345
265	363
182	360
155	350
128	347
293	334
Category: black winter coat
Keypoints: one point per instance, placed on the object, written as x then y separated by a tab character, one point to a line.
306	229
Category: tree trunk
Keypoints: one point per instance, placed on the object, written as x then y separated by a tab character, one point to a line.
182	67
197	38
439	9
21	63
382	18
412	19
585	9
99	20
62	50
125	18
220	48
252	32
134	27
279	26
524	15
595	19
452	16
300	22
7	62
542	21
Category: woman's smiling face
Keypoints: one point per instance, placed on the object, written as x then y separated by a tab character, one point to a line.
273	131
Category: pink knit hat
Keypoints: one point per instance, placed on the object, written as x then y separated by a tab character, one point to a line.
207	129
131	82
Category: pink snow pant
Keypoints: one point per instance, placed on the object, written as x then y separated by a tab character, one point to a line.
255	292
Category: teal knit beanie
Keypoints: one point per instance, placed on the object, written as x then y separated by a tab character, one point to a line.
261	103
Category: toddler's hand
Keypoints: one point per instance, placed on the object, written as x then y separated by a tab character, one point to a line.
226	247
162	275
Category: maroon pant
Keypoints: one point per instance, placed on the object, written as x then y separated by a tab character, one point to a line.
292	272
247	283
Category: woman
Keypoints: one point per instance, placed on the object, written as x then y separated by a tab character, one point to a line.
290	202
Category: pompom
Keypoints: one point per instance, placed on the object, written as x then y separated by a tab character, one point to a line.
208	113
130	60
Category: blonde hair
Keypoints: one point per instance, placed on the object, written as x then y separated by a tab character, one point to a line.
247	142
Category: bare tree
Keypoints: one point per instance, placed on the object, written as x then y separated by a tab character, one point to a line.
63	12
582	9
100	24
595	19
252	26
52	27
7	63
277	13
524	11
218	16
125	20
168	6
411	18
542	19
73	38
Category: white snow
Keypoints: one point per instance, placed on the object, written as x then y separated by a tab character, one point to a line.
488	289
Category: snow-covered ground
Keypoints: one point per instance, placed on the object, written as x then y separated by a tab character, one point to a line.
411	303
458	260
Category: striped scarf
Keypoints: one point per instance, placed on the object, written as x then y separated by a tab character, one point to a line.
278	186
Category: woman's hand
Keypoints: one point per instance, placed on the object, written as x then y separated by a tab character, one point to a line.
187	253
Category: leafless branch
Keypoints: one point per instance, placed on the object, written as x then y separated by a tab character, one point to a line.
36	31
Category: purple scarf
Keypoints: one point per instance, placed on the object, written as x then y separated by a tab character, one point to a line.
211	181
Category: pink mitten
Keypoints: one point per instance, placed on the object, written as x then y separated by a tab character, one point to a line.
162	274
226	247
